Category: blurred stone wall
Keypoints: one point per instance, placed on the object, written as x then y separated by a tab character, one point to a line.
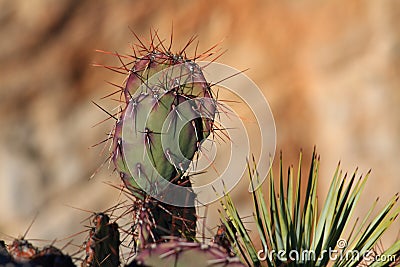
330	71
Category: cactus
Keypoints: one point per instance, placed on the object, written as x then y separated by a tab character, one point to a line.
154	136
154	220
167	111
22	250
179	254
23	253
4	255
51	256
102	246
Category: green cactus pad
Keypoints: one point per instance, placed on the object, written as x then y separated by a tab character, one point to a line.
166	117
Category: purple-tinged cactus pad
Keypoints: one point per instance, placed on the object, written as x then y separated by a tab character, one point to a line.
181	254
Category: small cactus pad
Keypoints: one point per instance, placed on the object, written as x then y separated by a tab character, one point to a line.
181	254
169	110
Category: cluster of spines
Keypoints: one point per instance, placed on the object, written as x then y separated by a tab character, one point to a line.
22	253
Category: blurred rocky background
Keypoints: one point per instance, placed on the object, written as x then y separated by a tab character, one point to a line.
329	69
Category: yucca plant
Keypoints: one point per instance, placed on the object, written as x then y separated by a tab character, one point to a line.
294	231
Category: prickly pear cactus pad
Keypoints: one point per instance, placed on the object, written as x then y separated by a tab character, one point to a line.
181	254
169	110
166	111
